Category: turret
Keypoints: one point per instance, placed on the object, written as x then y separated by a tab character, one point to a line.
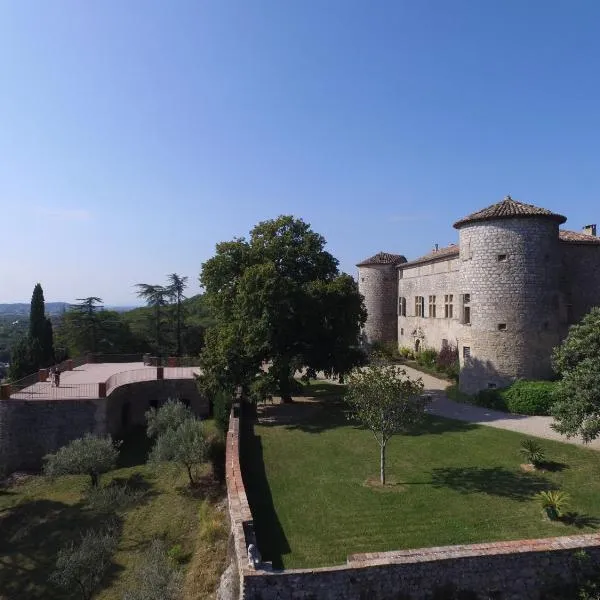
378	283
509	293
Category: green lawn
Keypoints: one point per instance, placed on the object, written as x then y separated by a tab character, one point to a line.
38	517
456	483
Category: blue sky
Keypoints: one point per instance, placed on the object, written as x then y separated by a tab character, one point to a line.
135	135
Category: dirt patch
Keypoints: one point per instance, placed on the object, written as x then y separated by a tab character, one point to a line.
528	468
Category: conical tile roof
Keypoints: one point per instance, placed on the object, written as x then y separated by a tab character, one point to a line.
383	258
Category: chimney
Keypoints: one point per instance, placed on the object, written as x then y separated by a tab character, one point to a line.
590	230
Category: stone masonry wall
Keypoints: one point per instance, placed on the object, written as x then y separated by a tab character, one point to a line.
31	429
511	268
581	277
513	570
378	285
434	279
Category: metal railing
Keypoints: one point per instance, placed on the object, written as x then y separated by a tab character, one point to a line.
45	390
171	361
113	358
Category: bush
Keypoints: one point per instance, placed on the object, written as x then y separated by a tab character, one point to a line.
215	451
90	455
532	452
221	409
388	350
156	578
169	416
82	566
491	398
427	357
447	361
406	353
113	497
529	397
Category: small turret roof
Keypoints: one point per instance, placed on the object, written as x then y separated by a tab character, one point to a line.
509	208
382	258
576	237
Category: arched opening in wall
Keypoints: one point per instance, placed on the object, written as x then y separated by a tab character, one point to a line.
125	415
417	345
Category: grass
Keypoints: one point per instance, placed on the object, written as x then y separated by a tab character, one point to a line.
39	516
456	483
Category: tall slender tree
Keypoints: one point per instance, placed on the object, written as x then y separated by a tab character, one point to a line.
175	289
40	329
156	296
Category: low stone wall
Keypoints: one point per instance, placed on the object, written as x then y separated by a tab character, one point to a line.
514	570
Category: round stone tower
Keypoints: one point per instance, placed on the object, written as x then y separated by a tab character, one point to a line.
378	283
509	294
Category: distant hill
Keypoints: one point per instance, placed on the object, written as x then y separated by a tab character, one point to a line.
21	309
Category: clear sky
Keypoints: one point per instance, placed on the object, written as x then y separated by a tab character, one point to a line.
136	134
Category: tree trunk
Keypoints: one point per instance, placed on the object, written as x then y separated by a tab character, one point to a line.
189	470
284	381
382	465
95	479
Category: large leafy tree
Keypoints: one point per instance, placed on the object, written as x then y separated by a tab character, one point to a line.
175	289
155	296
277	298
577	394
386	401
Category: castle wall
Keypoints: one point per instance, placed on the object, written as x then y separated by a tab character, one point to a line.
511	269
378	285
437	278
581	279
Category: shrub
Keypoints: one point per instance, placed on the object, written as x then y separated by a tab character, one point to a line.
554	503
169	416
406	353
490	398
427	357
529	397
215	451
90	455
532	452
82	566
388	350
156	578
447	361
113	497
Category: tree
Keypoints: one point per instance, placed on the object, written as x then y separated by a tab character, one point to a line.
23	358
87	311
386	401
185	445
175	289
90	455
169	416
576	407
82	566
279	297
155	296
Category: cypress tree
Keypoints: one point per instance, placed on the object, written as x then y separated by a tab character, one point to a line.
40	331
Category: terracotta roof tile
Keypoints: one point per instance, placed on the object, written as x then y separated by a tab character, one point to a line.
383	258
508	208
440	254
576	237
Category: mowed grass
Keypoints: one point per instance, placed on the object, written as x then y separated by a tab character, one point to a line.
39	516
455	483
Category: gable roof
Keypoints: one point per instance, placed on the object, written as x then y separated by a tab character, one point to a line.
383	258
509	208
439	254
576	237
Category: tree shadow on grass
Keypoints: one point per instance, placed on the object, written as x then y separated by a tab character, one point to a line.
31	534
205	487
135	447
496	481
437	425
581	521
270	536
553	466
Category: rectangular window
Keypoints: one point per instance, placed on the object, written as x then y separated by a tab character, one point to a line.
432	307
501	326
419	306
501	257
467	309
466	352
444	344
401	307
448	306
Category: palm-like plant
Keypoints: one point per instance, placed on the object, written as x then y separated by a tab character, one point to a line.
156	296
533	452
175	289
554	503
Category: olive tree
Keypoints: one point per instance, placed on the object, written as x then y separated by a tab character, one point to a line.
386	401
169	416
90	455
185	445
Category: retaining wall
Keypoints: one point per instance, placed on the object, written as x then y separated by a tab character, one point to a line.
514	570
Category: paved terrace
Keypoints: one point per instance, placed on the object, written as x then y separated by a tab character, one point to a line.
98	380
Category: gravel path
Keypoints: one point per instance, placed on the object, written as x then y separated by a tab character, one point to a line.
444	407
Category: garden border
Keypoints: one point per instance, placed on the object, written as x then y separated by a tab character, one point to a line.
513	569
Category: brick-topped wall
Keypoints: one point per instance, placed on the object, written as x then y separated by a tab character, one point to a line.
512	570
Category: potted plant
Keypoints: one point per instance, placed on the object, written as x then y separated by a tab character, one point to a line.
553	503
532	452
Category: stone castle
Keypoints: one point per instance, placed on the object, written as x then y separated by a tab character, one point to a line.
504	296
